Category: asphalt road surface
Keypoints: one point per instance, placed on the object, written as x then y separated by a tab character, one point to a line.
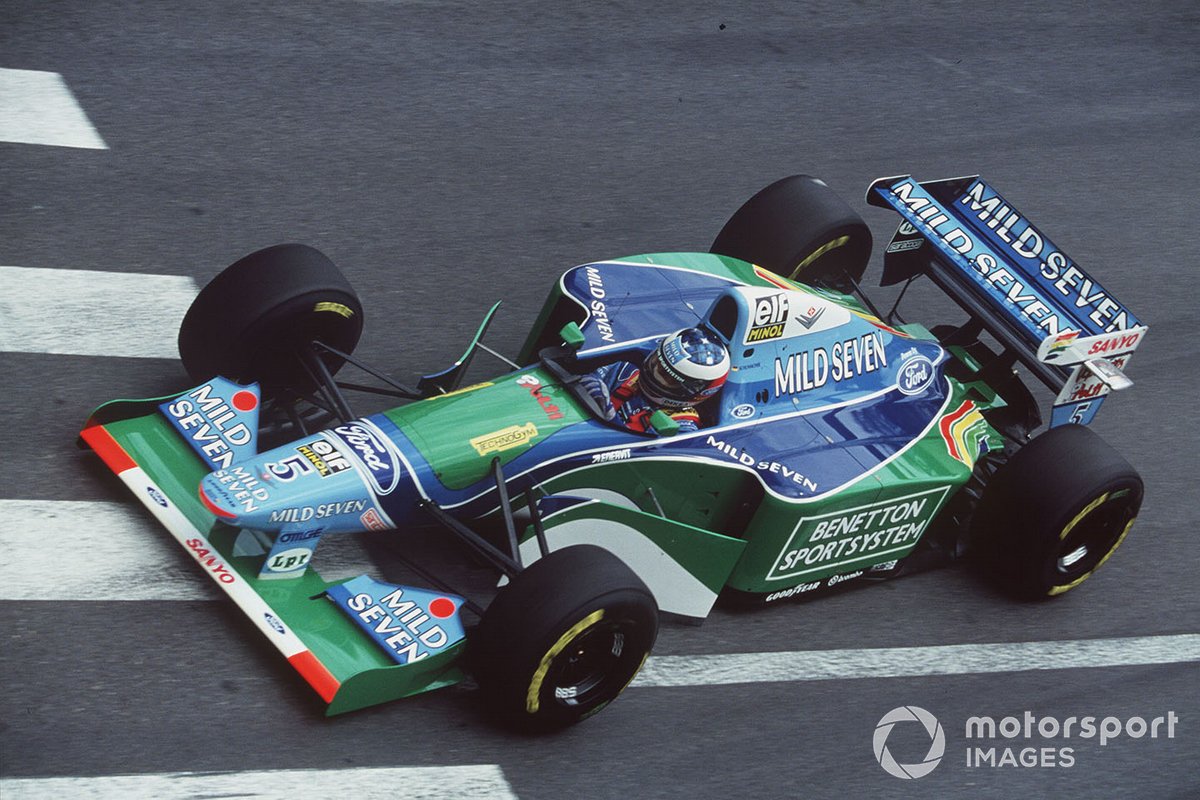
448	154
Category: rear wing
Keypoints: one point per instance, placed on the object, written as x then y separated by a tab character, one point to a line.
1044	310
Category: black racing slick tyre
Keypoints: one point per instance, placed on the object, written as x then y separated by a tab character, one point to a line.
252	321
563	639
1055	512
800	229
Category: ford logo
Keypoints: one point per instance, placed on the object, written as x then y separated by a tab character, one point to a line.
379	462
915	375
744	411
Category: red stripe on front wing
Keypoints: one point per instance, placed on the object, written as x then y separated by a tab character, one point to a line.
100	440
313	671
213	507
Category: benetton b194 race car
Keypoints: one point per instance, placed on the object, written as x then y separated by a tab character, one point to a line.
846	445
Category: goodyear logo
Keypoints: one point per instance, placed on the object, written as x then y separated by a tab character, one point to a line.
504	439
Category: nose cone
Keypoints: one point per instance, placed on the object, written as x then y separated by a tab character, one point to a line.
235	492
327	482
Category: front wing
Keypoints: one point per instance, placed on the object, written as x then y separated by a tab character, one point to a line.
345	668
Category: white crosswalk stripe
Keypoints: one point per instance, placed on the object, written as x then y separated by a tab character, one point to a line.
897	662
92	550
485	782
92	313
38	108
66	550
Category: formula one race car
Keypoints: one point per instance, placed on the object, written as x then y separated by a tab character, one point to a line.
845	445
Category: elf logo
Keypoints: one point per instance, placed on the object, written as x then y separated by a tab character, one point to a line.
768	318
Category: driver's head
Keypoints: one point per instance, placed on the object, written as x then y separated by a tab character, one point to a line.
686	368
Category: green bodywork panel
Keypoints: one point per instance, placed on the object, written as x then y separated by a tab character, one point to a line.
908	492
461	432
162	454
368	676
701	494
709	557
877	519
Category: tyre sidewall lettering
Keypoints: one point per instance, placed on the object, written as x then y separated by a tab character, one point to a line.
533	695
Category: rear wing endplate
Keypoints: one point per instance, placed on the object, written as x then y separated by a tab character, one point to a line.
1015	283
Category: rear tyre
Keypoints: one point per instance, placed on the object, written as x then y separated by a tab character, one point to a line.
563	639
252	320
800	229
1055	512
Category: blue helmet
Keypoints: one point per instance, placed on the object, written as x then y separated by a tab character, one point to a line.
686	368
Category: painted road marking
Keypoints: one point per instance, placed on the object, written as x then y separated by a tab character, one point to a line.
901	662
38	108
65	550
482	781
87	313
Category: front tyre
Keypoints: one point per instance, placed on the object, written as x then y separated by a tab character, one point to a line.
256	318
1055	512
563	639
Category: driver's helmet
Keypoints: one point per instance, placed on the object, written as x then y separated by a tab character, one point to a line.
686	368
